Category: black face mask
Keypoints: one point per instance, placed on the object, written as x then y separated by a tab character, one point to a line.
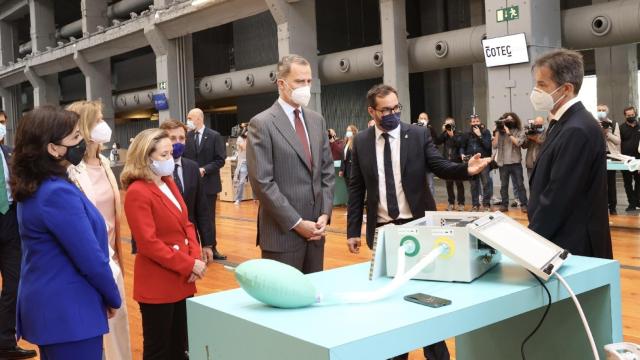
631	119
75	153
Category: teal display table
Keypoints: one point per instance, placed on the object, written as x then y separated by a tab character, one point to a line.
340	195
489	317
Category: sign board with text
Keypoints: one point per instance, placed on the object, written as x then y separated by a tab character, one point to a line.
505	50
508	14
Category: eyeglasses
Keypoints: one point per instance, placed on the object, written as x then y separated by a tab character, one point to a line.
387	111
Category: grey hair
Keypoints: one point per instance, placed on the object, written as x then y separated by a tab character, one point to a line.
604	106
284	65
566	66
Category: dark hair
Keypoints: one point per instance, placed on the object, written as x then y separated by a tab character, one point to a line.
566	66
380	90
515	117
630	108
31	163
171	124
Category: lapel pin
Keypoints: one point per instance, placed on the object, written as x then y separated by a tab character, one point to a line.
406	136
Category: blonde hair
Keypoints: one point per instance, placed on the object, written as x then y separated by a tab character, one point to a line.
88	111
137	165
354	130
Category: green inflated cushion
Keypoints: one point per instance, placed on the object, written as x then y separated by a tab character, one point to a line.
275	283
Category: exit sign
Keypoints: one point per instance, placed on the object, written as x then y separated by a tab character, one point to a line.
508	14
162	85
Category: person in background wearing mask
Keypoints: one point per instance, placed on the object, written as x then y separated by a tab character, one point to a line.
168	261
240	175
478	140
206	147
611	132
569	180
10	254
336	144
189	183
291	172
345	165
93	176
423	120
389	165
630	146
371	123
452	151
67	289
507	143
533	142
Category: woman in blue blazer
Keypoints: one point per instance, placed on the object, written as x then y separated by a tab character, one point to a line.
67	289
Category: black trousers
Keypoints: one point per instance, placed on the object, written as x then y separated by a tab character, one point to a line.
632	186
10	256
451	196
437	351
612	194
164	331
212	202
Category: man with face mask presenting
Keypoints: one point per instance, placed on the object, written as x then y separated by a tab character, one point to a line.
568	183
389	165
291	172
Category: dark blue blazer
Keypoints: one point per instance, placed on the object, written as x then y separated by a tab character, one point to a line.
568	186
65	282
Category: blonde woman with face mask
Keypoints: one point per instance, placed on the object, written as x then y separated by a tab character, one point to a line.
95	179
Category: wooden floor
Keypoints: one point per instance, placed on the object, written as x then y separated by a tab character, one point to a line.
236	227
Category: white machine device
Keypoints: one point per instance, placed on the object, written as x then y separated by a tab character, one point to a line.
466	257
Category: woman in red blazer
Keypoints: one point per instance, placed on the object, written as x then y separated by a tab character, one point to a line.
168	261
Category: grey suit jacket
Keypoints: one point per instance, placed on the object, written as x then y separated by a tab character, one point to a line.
282	180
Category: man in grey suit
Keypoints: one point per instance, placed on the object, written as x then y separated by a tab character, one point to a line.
291	172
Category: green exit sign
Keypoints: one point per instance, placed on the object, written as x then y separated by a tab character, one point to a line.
508	14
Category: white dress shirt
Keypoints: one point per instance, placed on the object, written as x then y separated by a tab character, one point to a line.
288	110
403	205
6	178
165	190
180	172
563	109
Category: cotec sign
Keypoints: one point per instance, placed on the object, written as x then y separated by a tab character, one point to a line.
505	50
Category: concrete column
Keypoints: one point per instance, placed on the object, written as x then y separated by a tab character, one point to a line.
393	28
10	107
94	14
46	90
98	84
174	71
617	78
437	86
7	44
297	35
43	26
476	9
509	86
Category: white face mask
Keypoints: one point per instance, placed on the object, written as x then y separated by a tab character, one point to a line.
602	115
101	133
163	167
190	125
301	95
3	131
543	101
348	134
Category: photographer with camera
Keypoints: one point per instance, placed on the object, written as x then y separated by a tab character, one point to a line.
423	120
336	144
451	150
478	140
630	136
611	132
535	135
508	138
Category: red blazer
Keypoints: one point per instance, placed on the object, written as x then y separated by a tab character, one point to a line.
166	240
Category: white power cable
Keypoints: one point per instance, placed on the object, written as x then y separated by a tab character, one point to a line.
582	316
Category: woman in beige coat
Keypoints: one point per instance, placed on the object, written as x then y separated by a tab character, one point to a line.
94	177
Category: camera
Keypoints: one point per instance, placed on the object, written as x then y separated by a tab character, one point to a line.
533	129
450	127
605	124
500	125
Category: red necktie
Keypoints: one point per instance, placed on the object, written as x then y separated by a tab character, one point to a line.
302	136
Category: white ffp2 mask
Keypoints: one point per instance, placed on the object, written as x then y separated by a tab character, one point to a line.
101	133
543	101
